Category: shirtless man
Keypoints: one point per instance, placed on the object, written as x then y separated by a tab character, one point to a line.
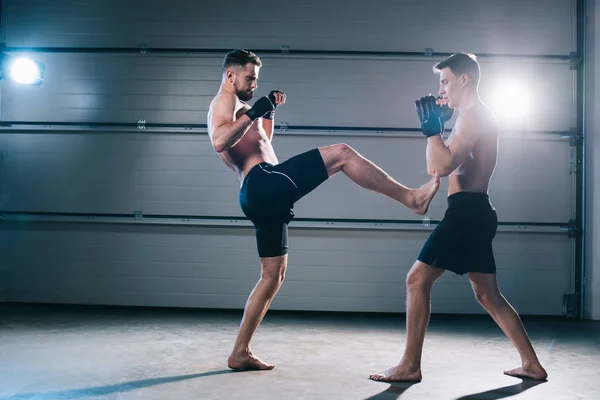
462	242
242	136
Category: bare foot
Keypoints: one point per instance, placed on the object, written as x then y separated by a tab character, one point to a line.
421	197
247	361
530	372
397	374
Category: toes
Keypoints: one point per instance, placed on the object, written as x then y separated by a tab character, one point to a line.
377	377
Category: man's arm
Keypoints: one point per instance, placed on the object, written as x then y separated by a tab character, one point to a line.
269	127
428	159
445	158
222	129
268	121
430	169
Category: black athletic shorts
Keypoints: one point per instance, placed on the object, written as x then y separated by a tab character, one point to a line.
462	242
268	194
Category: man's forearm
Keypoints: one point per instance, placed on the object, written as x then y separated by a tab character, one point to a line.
269	127
440	157
228	135
430	168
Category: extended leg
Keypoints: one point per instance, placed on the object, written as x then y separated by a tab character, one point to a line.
343	158
488	294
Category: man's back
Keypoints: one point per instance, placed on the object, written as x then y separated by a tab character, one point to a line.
474	174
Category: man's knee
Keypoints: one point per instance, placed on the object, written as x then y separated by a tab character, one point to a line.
486	289
421	277
336	155
344	151
487	297
273	269
481	296
487	300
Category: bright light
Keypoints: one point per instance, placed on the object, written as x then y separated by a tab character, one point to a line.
511	101
26	71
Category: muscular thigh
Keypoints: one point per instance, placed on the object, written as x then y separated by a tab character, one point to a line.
304	171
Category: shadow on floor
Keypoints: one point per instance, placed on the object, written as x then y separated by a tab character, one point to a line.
393	392
110	389
396	390
503	392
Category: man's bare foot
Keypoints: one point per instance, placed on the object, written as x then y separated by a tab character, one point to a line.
421	197
530	372
247	361
397	374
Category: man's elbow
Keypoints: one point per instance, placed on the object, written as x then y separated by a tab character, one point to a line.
219	145
444	170
444	173
219	148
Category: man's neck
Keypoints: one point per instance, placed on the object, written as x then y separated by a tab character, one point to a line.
470	101
228	88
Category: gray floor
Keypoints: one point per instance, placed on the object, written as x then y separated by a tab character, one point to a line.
66	352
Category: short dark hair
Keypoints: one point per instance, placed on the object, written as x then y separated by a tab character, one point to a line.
239	58
460	63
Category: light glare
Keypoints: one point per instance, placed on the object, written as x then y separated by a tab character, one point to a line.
25	71
511	101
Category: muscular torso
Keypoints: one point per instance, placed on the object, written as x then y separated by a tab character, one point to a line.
253	148
474	174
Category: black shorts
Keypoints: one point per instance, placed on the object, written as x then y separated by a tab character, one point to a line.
462	242
268	194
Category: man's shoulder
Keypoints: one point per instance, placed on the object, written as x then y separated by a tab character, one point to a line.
224	95
224	98
480	118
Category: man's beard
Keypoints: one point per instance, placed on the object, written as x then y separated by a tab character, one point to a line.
241	94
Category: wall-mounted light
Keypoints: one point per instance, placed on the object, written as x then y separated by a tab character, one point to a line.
22	70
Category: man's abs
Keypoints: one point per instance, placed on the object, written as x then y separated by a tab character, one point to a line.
467	181
252	149
249	151
475	173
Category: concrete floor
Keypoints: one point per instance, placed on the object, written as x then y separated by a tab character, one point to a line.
72	352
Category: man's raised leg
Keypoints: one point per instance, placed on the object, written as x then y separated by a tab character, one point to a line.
419	282
272	276
343	158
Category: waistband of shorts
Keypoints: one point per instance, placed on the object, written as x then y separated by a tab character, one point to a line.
463	199
255	168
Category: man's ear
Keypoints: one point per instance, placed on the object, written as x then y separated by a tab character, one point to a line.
230	75
465	80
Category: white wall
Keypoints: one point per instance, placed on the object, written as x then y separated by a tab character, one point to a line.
216	267
178	173
593	163
208	266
